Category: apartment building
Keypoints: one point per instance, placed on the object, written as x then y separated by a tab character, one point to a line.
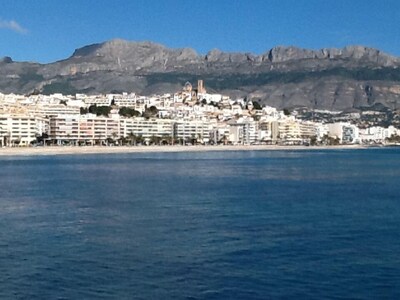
289	131
243	131
377	134
350	134
346	132
185	130
98	100
83	129
21	130
146	128
292	131
53	110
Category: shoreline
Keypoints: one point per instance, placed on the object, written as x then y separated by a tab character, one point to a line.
81	150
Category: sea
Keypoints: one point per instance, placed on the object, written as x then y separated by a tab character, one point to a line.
301	224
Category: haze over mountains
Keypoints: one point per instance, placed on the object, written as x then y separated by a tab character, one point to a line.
354	77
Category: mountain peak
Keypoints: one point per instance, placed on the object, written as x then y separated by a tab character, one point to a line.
372	54
112	47
6	60
286	53
355	52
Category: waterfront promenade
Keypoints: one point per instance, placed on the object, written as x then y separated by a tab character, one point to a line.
59	150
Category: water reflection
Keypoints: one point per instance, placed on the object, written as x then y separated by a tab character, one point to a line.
225	225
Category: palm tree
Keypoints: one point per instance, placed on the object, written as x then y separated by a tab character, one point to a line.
133	138
114	137
223	140
193	139
200	138
154	139
166	139
140	139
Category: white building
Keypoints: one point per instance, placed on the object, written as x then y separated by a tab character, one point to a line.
99	100
21	130
243	131
83	129
346	132
53	110
146	128
377	134
186	130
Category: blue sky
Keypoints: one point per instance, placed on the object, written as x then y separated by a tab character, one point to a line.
49	30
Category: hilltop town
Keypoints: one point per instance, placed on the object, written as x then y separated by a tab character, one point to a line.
188	117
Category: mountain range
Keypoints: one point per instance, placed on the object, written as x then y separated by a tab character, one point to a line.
352	78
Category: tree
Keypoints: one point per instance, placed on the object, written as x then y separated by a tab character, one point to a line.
133	138
193	139
286	112
103	111
92	109
99	110
151	111
114	136
167	139
223	140
155	140
331	141
313	141
109	141
393	139
42	138
128	112
123	141
256	105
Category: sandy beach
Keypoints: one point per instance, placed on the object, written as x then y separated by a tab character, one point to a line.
62	150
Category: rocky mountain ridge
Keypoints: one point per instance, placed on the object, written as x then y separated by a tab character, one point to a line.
354	77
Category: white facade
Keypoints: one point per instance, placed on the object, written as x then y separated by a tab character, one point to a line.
86	128
192	129
98	100
21	130
377	134
146	128
54	109
346	132
243	131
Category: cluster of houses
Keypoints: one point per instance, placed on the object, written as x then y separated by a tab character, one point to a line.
190	116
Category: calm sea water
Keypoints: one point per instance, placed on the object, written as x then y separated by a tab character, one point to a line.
217	225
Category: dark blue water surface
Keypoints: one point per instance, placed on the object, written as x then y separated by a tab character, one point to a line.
216	225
